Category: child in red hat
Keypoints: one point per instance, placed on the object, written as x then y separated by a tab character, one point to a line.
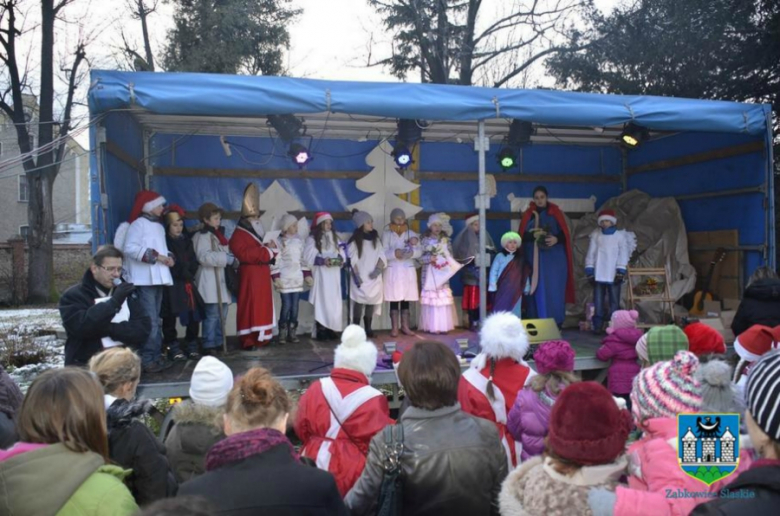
704	340
605	265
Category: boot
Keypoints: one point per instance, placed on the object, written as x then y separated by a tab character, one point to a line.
357	311
474	320
292	332
394	322
322	333
367	324
405	323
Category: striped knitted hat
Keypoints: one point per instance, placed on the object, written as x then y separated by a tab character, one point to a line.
763	391
667	388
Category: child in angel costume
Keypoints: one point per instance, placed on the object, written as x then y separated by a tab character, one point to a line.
609	250
508	277
437	306
324	257
290	273
367	261
466	249
402	248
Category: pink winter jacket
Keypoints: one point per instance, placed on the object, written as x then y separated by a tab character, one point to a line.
654	472
620	348
529	419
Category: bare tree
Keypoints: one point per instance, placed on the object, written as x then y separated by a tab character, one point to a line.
444	41
140	10
42	166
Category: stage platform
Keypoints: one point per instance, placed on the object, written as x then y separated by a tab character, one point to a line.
297	365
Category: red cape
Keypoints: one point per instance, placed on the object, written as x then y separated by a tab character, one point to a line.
556	212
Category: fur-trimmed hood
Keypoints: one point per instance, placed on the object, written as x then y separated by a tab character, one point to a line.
502	336
188	412
122	412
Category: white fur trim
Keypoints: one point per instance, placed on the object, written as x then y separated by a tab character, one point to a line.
355	351
502	335
744	353
609	218
155	203
322	218
471	219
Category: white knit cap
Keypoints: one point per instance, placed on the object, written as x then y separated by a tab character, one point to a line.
355	352
211	382
287	221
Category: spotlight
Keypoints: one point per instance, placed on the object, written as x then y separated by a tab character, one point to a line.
506	158
403	158
520	133
289	127
299	154
633	135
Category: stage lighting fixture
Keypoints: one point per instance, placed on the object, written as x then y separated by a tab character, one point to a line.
633	135
506	158
288	127
410	131
402	155
299	154
520	133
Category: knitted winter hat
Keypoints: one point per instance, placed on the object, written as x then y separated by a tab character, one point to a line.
211	382
586	425
623	319
287	221
502	335
554	355
355	352
751	344
663	342
667	388
641	348
608	215
145	202
703	340
207	209
717	390
361	217
763	391
397	212
443	219
320	217
510	236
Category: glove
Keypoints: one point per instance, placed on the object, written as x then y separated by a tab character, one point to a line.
231	260
375	273
619	277
309	281
278	283
601	501
319	261
122	292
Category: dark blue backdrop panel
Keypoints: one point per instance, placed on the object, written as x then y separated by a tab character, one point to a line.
122	183
123	130
685	144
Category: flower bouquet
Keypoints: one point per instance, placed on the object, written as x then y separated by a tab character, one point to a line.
649	287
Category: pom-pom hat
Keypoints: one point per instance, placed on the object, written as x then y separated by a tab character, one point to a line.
608	215
355	352
145	202
763	393
211	382
704	340
623	319
667	388
586	425
502	336
554	355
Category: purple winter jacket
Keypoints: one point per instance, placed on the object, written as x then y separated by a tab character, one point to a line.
529	420
620	348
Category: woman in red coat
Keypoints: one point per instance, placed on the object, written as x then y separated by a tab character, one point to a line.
489	387
338	415
255	319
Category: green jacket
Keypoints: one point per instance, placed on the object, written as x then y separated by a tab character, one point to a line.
56	481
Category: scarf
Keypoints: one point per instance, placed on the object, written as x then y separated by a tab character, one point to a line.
399	229
244	445
219	233
148	216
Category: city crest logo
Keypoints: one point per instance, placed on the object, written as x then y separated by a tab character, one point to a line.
708	445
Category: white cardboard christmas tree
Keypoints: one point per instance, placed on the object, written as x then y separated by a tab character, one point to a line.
276	202
385	182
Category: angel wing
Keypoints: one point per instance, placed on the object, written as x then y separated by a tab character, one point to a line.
303	228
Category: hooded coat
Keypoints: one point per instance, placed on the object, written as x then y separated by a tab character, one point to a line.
196	429
133	446
762	480
50	479
760	305
529	420
620	348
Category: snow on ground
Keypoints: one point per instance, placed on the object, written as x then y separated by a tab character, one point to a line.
29	344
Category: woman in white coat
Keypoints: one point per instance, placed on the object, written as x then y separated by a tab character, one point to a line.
211	248
367	261
325	258
402	247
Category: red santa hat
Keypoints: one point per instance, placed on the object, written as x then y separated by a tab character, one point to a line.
320	217
751	344
608	215
145	202
471	218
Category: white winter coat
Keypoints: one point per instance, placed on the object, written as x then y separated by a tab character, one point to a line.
213	259
144	234
290	264
370	291
607	253
400	277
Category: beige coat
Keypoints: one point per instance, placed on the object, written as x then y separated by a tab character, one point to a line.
212	257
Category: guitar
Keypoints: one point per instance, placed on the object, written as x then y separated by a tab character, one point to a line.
704	295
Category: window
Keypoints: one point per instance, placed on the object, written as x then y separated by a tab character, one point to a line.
24	231
24	189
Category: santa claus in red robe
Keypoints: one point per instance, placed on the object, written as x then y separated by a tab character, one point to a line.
255	319
338	415
489	387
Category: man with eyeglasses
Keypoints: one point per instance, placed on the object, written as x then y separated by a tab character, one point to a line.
88	309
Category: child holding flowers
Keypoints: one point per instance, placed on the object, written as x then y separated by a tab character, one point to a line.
437	306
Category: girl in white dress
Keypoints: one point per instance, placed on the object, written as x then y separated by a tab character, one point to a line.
437	306
367	261
325	258
402	248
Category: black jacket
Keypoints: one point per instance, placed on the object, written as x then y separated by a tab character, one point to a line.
756	492
760	305
175	297
133	446
86	322
272	482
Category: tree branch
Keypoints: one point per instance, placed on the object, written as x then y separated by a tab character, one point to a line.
517	71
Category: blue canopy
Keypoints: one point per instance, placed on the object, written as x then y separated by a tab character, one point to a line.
241	96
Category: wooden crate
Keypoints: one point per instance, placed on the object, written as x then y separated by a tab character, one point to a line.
725	280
